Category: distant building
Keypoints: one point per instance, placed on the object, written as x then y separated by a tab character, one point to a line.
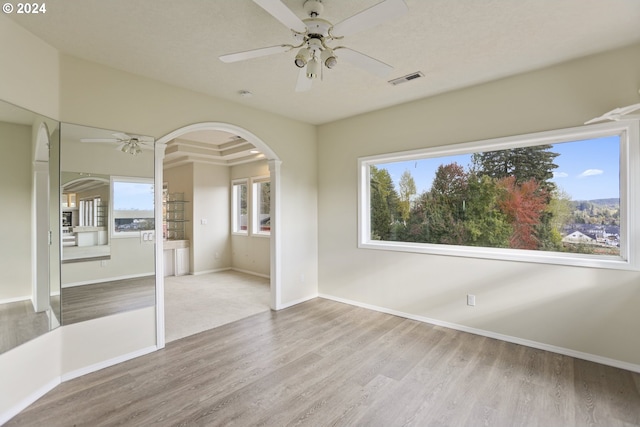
577	236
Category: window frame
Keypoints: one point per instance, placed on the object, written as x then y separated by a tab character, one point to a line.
627	130
112	209
235	227
255	206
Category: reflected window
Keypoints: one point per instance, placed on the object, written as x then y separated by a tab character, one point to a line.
133	206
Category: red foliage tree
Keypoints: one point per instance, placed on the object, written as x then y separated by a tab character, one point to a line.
523	204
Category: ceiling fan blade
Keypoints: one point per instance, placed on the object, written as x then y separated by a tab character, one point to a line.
363	61
369	18
255	53
616	114
121	136
304	83
282	13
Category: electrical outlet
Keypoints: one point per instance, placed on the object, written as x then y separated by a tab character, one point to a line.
471	300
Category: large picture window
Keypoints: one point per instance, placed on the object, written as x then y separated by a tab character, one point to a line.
562	197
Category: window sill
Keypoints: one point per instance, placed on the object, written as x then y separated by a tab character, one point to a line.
521	255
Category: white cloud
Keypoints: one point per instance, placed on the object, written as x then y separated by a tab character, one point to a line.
560	174
591	172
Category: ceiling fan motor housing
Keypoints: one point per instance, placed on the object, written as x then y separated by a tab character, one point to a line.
313	8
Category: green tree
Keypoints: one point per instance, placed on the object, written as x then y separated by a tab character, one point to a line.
407	187
486	225
384	203
524	164
450	187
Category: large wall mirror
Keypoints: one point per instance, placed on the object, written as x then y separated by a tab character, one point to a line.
30	250
107	222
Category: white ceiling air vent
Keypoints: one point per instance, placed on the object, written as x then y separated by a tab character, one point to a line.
406	78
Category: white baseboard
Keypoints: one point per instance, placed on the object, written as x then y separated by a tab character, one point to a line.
16	299
24	403
296	302
215	270
109	279
253	273
528	343
105	364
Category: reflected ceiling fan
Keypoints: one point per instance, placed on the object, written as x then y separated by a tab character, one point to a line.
131	144
313	36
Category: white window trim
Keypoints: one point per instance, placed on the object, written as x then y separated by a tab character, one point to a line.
112	217
629	132
255	226
234	205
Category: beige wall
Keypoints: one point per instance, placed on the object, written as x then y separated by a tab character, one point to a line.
211	245
15	227
30	70
580	309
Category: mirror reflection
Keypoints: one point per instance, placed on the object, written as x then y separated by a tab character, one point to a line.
29	264
84	204
107	222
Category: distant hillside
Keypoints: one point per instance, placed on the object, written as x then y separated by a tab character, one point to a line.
614	201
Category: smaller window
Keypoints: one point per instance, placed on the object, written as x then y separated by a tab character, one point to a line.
239	207
261	206
133	206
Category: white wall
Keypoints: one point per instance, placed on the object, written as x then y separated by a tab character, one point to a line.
15	227
250	253
580	309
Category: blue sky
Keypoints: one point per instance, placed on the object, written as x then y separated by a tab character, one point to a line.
132	195
587	170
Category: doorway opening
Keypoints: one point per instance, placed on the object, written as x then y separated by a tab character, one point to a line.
197	167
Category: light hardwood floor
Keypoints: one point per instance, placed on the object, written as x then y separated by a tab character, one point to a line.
324	363
19	324
80	303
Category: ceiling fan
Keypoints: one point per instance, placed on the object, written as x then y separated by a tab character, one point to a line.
617	114
314	35
131	144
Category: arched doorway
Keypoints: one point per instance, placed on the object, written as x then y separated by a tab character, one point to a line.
274	171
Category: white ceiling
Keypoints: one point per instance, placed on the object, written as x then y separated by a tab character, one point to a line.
455	43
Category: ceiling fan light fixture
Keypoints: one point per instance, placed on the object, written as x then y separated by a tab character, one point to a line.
329	58
131	147
303	57
313	68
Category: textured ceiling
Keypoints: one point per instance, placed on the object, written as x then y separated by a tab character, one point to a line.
455	43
